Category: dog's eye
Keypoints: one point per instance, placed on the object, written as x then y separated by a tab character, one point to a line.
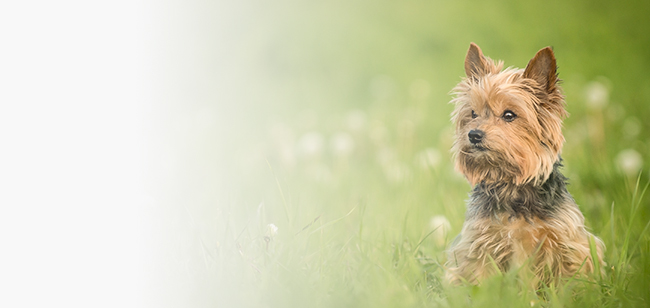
508	116
474	115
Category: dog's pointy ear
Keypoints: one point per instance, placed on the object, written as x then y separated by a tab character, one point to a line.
543	69
475	62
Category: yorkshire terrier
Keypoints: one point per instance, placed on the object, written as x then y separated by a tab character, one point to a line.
508	143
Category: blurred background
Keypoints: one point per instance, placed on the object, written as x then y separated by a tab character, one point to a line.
299	145
296	153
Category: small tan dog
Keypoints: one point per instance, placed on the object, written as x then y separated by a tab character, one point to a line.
508	144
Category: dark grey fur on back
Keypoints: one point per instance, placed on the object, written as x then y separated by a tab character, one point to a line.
525	201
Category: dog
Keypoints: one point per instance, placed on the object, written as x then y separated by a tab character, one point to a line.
508	141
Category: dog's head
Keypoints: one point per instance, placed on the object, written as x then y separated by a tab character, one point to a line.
508	122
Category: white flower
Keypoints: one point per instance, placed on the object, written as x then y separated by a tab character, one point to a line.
440	226
311	143
597	95
342	144
630	161
397	172
271	230
428	158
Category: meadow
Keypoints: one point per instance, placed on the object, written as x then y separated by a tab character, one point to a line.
302	149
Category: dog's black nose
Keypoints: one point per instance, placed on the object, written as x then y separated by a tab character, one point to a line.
475	136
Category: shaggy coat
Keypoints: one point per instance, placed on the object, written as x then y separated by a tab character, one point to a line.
508	143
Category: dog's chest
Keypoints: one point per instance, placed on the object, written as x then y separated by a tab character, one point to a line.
509	241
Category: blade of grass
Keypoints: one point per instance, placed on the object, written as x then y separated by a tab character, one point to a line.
284	200
415	250
594	257
494	264
612	222
636	245
575	275
332	221
626	241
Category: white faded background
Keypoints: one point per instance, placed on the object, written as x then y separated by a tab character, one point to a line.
92	124
275	153
75	87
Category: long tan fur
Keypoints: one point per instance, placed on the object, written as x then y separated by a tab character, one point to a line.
519	213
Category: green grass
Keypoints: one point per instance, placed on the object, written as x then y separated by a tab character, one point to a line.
354	220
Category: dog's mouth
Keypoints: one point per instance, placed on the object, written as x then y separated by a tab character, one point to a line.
476	148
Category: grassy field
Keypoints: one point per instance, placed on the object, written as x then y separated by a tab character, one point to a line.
302	149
